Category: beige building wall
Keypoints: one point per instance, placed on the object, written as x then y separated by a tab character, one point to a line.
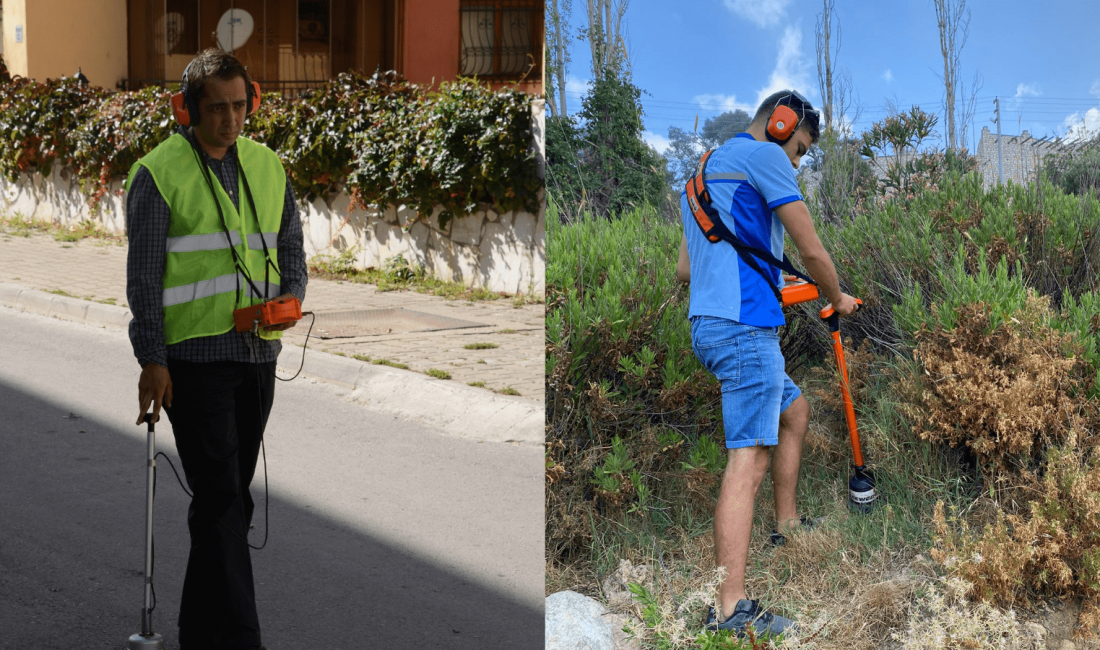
15	54
60	36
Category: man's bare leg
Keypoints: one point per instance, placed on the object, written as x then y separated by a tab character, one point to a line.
733	520
786	459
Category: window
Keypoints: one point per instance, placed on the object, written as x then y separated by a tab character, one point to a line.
500	38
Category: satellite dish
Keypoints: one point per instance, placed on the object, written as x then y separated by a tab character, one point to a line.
234	29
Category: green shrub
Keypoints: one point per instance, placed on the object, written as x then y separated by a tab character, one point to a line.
36	121
1076	168
122	129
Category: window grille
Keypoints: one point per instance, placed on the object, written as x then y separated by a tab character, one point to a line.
500	38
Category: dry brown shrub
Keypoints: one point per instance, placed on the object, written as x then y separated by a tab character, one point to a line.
1006	394
1052	549
1013	397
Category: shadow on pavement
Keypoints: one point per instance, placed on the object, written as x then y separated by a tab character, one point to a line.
72	544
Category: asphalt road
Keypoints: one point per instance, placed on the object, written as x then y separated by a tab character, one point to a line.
383	533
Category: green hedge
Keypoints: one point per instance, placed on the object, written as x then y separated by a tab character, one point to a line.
385	140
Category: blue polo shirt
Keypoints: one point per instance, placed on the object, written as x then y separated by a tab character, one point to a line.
747	180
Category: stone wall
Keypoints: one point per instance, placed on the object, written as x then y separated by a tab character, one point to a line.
500	252
1021	156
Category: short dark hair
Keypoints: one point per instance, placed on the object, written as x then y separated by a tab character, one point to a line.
215	63
809	120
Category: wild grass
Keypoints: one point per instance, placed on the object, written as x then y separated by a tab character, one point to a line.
398	274
20	225
392	364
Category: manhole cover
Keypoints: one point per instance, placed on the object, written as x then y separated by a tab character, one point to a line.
372	322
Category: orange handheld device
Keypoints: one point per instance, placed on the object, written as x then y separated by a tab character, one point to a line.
272	312
797	291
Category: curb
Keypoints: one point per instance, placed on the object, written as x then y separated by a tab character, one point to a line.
455	409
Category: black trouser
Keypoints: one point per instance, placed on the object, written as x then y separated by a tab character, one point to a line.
218	415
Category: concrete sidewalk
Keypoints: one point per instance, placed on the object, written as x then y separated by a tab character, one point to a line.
85	281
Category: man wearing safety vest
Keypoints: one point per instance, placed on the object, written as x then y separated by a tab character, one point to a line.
213	226
735	313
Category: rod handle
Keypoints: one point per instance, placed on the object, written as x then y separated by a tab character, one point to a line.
832	319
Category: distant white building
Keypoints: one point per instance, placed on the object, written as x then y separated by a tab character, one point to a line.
1021	156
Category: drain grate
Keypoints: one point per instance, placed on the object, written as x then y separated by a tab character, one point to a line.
374	322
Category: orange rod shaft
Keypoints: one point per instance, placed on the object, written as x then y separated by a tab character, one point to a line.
849	410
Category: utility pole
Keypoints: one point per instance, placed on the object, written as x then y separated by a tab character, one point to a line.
1000	168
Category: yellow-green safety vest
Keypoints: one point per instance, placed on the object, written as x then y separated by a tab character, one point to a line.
201	280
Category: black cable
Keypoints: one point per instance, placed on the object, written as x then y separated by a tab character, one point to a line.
263	240
304	345
188	493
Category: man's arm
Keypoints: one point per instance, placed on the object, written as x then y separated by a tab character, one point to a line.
147	218
683	264
796	219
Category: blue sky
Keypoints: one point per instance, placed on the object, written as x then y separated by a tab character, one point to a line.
703	57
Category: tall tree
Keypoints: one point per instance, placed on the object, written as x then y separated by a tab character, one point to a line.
557	45
605	37
953	20
597	161
826	59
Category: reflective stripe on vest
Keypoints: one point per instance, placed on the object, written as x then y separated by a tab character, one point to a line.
255	243
211	242
221	284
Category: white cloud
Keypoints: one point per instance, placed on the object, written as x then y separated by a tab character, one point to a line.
790	69
721	103
1022	90
655	140
1082	126
576	87
888	76
762	13
1026	90
1095	90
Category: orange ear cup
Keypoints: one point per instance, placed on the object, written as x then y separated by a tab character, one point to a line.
782	123
255	103
179	109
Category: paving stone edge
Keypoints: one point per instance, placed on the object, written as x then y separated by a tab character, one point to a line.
458	410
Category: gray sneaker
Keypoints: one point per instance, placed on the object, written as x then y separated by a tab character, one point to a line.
749	612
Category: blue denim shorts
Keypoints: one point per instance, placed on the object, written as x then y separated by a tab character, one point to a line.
755	386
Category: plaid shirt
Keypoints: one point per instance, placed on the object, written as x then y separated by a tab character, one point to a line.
147	218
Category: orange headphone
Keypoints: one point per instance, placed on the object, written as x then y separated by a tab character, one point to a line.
783	121
185	106
782	124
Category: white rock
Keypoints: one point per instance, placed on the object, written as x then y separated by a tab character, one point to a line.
576	622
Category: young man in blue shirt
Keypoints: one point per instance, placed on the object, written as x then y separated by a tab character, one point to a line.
734	321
